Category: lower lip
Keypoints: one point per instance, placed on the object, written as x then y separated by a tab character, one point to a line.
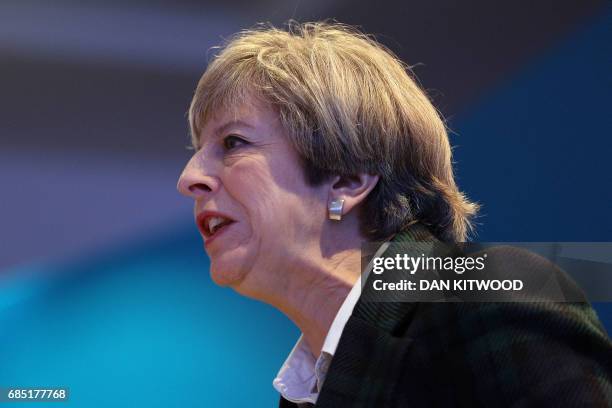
216	235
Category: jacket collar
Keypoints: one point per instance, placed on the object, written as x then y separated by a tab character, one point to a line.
368	350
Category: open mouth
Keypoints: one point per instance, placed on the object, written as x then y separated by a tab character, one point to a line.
212	225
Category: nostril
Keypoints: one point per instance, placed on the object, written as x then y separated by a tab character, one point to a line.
199	187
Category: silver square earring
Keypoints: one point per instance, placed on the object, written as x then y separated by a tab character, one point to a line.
335	209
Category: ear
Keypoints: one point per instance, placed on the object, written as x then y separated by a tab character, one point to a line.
352	189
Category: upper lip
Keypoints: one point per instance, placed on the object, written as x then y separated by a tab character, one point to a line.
202	221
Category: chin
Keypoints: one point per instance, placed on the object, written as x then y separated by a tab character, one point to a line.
227	273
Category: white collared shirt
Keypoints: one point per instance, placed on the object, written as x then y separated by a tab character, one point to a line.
301	376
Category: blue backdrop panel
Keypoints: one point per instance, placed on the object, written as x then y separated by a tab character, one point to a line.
536	151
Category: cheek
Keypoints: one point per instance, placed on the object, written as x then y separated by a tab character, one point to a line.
251	186
278	207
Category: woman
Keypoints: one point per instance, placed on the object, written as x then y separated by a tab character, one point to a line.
309	142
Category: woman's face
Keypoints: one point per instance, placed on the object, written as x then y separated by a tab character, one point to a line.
253	207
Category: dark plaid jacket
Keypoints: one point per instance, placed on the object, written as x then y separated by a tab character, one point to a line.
469	355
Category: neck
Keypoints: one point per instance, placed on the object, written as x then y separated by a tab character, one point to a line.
316	292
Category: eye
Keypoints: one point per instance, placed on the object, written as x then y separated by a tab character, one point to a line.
232	141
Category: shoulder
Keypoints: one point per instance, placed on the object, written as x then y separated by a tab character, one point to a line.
522	352
484	353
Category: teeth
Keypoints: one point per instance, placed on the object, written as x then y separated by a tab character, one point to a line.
214	222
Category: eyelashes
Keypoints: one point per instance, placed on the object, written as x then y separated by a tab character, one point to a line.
229	143
233	142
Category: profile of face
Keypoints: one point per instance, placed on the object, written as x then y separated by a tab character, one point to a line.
253	206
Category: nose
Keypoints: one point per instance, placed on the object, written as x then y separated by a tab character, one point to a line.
194	182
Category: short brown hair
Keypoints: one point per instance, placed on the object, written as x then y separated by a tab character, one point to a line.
349	105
